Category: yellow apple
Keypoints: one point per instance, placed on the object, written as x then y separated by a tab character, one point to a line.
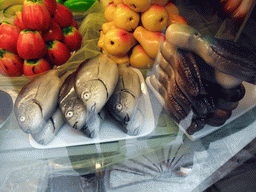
121	60
176	19
160	2
155	18
116	2
171	8
101	40
125	18
149	40
140	59
109	12
118	42
108	26
138	5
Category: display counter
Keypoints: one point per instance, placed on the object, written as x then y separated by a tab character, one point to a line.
163	160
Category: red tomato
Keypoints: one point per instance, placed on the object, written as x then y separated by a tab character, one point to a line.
63	16
53	33
30	45
18	20
74	23
51	6
35	66
57	53
72	38
8	36
10	64
35	15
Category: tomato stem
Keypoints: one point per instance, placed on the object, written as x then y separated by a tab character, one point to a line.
2	52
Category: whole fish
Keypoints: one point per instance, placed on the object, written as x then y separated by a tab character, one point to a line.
37	100
50	130
71	106
124	101
225	56
96	81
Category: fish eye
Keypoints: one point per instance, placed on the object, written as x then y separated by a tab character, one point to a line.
70	114
197	34
22	118
119	107
86	96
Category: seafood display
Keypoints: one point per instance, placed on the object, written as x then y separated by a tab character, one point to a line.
203	75
123	102
78	99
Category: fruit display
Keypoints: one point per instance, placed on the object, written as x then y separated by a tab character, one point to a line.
135	29
43	35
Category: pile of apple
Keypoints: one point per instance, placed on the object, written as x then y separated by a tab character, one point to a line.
135	29
43	35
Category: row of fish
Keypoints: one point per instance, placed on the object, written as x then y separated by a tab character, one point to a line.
82	99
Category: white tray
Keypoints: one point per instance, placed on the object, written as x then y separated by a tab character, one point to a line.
247	103
109	130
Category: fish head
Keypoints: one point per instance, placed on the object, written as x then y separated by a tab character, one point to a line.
122	106
94	95
30	117
134	126
75	113
184	37
46	135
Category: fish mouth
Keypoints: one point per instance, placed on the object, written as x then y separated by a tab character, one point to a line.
75	125
87	132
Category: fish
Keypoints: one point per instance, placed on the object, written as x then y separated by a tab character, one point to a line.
124	101
72	107
38	99
95	81
51	128
93	124
75	112
225	56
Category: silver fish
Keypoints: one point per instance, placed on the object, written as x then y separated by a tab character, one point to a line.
93	124
124	101
37	100
71	106
49	131
96	81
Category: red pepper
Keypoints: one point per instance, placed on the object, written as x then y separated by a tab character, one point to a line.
35	66
53	33
63	16
57	53
10	64
8	36
72	38
30	45
35	15
51	6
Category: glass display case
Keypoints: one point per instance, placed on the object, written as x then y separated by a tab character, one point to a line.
162	158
